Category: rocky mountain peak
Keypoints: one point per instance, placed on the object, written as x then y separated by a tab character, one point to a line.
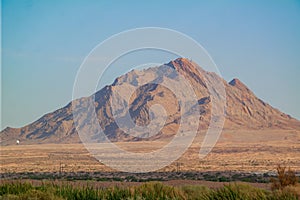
243	109
185	64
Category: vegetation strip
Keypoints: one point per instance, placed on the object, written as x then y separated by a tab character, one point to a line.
151	190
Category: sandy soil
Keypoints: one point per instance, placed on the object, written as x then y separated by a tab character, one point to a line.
244	151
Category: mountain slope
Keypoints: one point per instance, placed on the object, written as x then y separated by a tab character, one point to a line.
243	109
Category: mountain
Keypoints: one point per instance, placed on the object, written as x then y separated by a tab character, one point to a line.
243	109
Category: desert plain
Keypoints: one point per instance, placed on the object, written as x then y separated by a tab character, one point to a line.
253	151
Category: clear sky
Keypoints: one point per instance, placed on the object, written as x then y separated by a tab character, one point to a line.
44	43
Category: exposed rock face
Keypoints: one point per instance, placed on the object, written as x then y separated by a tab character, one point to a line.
243	109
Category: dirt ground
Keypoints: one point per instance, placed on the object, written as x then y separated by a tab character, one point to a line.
240	151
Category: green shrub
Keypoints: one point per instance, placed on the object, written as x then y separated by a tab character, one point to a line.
16	188
239	191
32	194
156	190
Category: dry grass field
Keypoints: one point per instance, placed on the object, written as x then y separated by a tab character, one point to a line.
240	151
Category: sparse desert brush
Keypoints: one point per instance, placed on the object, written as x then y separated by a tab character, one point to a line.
196	191
284	178
295	190
22	191
239	191
157	190
289	192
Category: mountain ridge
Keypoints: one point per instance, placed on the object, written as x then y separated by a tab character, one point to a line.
243	109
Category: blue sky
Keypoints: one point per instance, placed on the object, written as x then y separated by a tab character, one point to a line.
44	43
